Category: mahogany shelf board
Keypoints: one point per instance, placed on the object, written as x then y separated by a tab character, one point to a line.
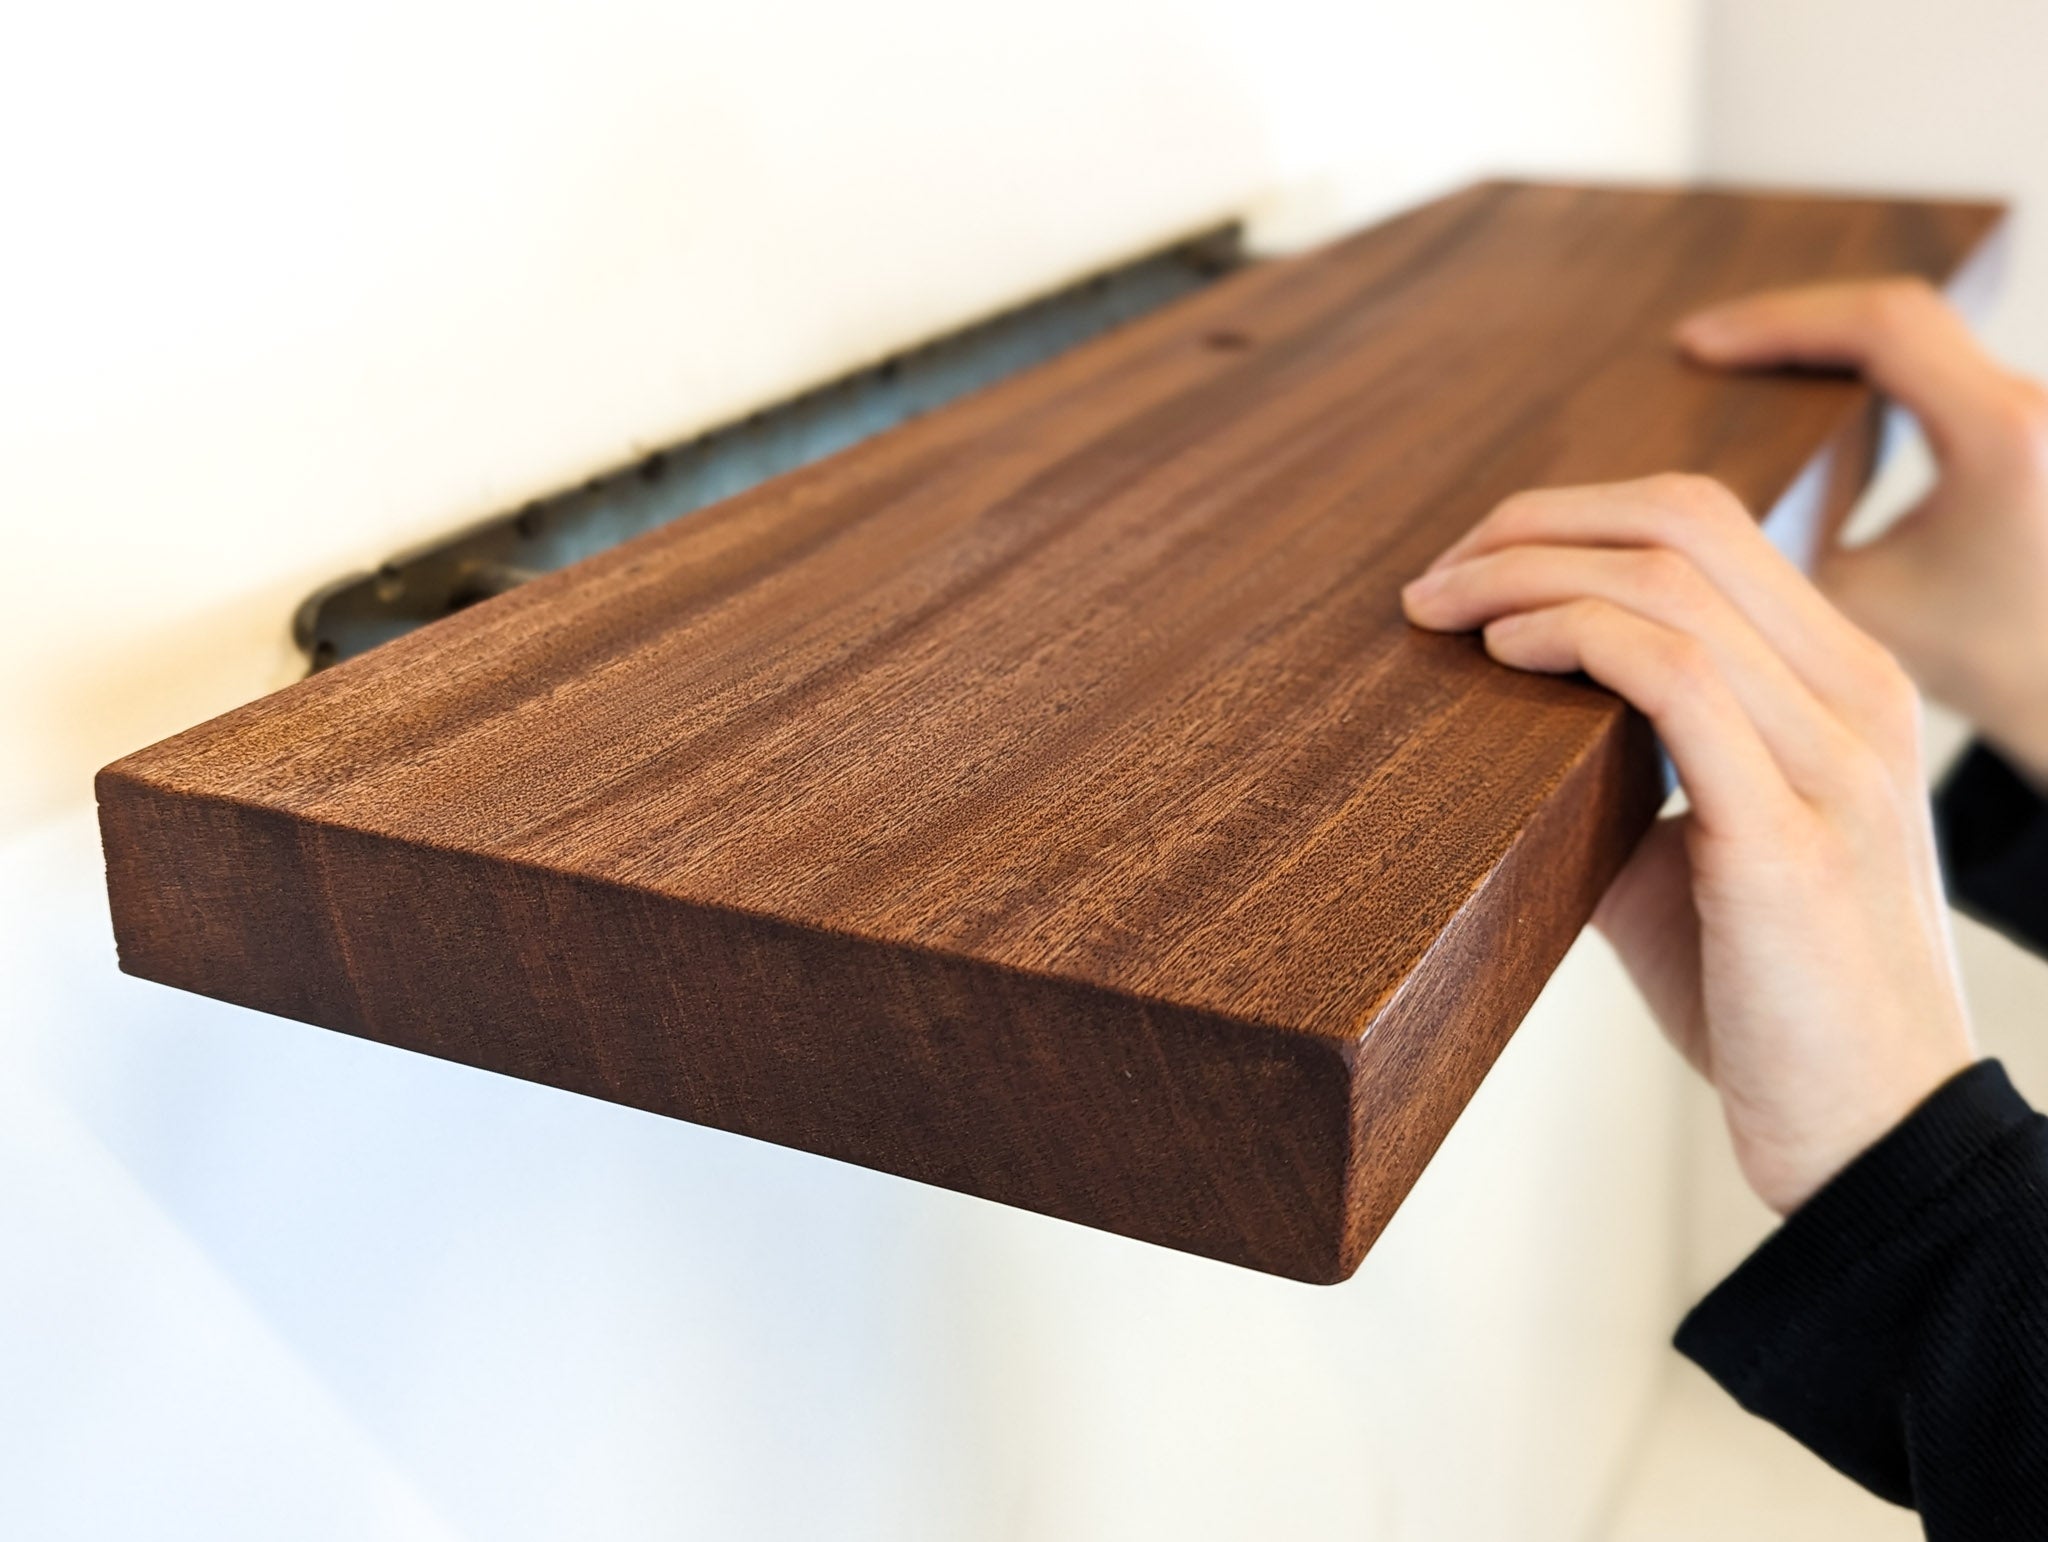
1046	798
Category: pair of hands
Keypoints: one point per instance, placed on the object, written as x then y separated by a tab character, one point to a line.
1789	930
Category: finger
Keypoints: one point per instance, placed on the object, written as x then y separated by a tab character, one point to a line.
1659	585
1704	523
1736	787
1900	333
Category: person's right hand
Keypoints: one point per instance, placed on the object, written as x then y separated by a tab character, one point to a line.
1958	588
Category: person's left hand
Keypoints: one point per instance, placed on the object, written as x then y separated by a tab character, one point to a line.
1789	931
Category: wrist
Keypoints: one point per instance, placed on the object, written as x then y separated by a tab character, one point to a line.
1786	1167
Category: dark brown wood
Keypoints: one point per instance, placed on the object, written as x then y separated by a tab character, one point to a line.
1044	799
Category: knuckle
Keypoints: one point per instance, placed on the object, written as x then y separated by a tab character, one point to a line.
1517	510
1591	623
1890	688
1691	496
1685	489
1685	665
1588	618
1880	747
1901	301
2024	414
1896	729
1866	783
1667	580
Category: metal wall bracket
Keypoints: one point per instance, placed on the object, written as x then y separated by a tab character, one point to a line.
356	612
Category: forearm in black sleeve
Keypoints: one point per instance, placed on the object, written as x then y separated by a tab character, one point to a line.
1994	844
1897	1323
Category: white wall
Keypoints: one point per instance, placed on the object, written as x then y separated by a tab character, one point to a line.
1896	94
287	288
306	284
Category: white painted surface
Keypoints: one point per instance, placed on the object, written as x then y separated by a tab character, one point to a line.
1891	94
307	285
290	289
1708	1473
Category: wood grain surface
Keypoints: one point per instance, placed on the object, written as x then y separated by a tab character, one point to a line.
1045	798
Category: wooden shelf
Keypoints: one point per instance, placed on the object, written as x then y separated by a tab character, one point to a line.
1044	799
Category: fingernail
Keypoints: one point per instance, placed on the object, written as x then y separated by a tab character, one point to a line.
1418	599
1702	329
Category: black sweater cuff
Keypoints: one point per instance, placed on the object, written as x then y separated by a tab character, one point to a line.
1797	1334
1994	843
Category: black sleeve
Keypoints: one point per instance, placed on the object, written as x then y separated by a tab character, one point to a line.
1897	1324
1994	844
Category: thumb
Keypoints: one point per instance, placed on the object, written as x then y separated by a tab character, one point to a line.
1899	333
